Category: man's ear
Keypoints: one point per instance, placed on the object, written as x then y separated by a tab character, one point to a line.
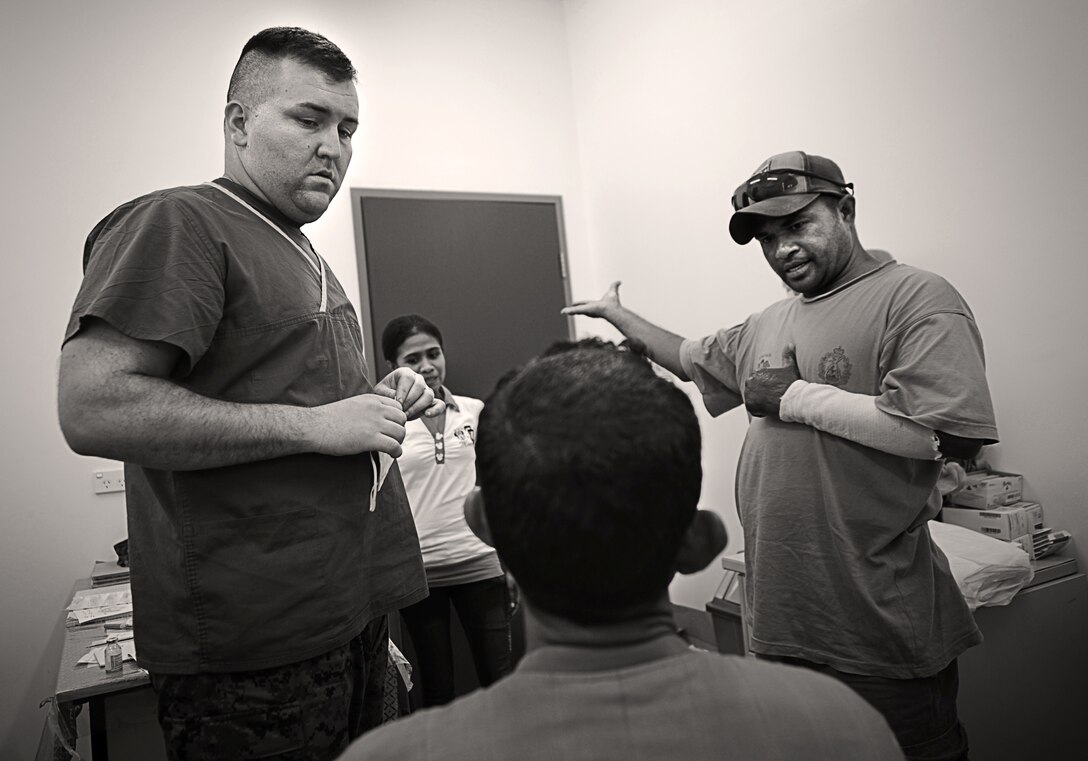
847	207
705	539
476	516
234	121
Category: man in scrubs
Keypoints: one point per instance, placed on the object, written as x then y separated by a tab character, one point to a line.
857	386
212	350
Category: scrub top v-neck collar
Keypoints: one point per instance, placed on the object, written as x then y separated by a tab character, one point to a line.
281	224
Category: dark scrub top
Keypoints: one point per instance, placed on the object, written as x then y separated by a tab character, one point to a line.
266	563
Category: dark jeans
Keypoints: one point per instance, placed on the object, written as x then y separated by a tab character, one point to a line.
482	608
921	712
306	711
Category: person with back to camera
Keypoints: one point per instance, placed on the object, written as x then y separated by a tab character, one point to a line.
438	464
593	509
856	388
213	351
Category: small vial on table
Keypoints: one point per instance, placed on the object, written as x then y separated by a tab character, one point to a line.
113	656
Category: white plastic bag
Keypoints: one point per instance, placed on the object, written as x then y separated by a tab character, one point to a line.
988	571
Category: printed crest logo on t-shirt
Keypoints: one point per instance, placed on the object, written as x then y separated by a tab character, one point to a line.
764	362
466	435
835	367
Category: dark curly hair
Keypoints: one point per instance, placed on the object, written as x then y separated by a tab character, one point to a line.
589	464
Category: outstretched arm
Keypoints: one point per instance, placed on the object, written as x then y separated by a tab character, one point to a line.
115	401
663	346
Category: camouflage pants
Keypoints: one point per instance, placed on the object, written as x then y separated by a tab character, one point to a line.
306	711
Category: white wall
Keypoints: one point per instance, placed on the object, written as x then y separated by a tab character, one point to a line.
959	123
105	101
962	125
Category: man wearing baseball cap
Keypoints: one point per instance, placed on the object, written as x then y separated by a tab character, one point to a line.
857	388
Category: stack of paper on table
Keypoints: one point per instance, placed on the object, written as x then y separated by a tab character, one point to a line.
100	604
108	572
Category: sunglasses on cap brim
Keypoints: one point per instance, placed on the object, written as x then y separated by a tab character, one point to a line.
783	182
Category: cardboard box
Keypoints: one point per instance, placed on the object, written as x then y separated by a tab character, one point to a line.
986	489
1035	510
1005	522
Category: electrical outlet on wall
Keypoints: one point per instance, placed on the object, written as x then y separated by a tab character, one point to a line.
106	481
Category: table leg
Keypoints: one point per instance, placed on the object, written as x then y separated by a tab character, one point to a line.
99	742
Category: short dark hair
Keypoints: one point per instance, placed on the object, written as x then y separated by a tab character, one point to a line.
272	45
589	464
401	328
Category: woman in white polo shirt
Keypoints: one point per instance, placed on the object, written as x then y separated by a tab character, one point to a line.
438	465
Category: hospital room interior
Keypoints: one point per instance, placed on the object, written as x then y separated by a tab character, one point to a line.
960	125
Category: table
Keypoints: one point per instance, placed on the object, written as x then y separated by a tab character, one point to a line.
1022	691
77	685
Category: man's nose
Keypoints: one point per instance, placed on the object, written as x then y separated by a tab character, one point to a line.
784	249
329	144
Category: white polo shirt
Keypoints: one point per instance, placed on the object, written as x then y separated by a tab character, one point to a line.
437	493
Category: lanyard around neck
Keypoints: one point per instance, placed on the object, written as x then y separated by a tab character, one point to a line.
315	262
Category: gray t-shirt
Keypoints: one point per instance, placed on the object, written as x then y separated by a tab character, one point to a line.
655	701
841	569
